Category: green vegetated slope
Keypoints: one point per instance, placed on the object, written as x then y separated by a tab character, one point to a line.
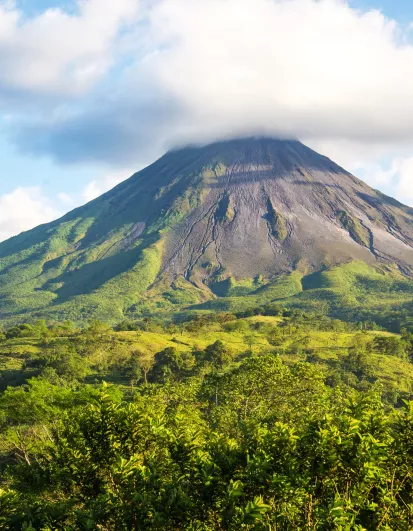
99	259
229	226
291	421
353	291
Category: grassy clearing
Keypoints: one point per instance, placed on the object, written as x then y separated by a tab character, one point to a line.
257	335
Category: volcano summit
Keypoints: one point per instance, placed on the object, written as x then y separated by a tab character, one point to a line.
204	226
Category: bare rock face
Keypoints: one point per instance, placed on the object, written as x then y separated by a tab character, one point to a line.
198	216
267	205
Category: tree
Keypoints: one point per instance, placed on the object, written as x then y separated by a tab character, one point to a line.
362	343
391	346
63	329
24	330
170	363
138	366
98	330
275	337
357	362
126	326
146	363
218	355
263	389
63	359
133	370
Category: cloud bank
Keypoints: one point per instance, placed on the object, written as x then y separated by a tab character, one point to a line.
197	71
26	207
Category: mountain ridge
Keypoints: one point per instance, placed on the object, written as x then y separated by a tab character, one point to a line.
197	221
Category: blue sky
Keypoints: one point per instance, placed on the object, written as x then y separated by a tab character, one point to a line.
34	7
401	10
92	91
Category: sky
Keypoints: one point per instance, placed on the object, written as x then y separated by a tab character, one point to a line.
91	91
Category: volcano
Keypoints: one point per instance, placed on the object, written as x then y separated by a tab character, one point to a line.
201	224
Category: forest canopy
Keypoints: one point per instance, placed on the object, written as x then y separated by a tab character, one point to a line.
293	421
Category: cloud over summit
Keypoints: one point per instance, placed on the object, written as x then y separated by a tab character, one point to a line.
212	69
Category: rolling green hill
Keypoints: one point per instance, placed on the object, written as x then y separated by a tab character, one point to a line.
294	421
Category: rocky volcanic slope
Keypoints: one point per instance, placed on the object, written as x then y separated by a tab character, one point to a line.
243	209
266	205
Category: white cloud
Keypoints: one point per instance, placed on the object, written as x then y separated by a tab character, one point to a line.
393	177
209	69
66	199
398	177
23	209
353	155
388	168
294	67
56	52
404	180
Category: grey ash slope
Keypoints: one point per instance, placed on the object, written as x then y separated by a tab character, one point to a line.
270	205
197	216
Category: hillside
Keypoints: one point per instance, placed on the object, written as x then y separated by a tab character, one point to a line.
227	226
106	355
291	422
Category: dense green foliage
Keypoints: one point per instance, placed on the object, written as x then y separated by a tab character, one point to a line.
127	355
284	422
